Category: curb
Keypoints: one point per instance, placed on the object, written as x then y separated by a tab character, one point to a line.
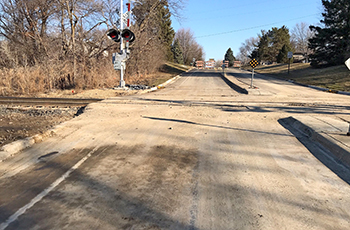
14	147
233	85
341	153
162	86
317	88
309	86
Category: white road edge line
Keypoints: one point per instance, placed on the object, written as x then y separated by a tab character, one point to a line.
40	196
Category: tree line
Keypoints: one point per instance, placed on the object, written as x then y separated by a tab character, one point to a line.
323	45
61	44
273	45
186	49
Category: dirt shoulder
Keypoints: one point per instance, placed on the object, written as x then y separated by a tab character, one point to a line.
19	122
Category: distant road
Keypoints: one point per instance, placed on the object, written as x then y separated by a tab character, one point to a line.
196	155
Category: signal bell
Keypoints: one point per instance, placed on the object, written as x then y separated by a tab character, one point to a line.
114	35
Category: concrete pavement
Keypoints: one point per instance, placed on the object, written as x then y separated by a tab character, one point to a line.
195	155
329	132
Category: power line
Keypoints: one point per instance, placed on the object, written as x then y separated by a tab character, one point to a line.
232	7
249	13
254	27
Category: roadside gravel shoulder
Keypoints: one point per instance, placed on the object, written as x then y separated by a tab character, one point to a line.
21	126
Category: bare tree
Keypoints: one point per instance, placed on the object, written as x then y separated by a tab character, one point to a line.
300	36
218	63
190	48
82	17
23	23
65	40
247	48
148	52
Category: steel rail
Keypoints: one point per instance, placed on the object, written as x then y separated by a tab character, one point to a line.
46	101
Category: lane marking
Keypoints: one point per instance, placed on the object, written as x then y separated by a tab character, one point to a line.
195	197
40	196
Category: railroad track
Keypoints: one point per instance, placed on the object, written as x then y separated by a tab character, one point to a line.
46	101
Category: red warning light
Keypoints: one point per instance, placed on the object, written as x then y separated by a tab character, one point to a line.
128	35
114	35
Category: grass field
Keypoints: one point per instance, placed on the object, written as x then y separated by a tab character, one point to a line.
168	71
333	78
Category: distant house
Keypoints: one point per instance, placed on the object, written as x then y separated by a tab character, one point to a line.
200	64
237	64
226	63
300	57
210	64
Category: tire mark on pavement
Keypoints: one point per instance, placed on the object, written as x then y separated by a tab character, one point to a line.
41	195
195	198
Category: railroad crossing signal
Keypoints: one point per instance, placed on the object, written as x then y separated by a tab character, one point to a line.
122	35
253	63
114	35
119	60
128	35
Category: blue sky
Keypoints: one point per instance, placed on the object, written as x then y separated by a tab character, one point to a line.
222	24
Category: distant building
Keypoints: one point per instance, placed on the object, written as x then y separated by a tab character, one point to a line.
237	64
200	64
210	64
300	57
225	63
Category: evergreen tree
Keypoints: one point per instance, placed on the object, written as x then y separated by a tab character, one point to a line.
331	43
271	43
166	33
282	56
153	19
229	57
280	38
263	52
254	54
177	52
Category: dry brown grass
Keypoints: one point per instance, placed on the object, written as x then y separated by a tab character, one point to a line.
166	72
24	81
334	78
32	81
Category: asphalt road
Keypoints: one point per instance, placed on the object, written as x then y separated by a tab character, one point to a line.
196	155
